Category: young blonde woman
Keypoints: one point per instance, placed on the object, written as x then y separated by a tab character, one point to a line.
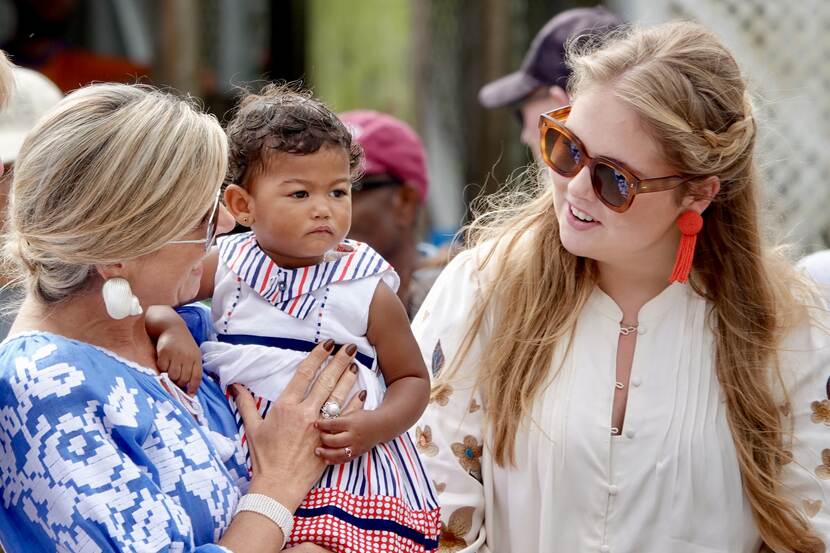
585	403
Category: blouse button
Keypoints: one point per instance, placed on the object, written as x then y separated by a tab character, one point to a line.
636	382
605	548
630	434
612	490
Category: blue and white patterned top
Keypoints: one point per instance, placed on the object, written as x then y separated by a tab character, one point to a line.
95	454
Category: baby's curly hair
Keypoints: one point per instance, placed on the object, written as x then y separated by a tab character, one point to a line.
282	118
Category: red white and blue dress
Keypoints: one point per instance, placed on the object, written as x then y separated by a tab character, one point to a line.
266	319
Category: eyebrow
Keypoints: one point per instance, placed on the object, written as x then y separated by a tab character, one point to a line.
312	183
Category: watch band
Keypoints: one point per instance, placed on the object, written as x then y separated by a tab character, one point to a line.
270	508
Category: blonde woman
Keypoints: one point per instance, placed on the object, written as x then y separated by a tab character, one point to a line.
584	403
114	203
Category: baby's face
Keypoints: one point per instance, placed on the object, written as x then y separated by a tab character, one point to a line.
302	205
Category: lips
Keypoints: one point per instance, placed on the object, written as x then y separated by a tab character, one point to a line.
580	220
321	230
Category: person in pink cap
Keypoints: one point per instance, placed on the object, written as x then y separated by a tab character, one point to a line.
387	199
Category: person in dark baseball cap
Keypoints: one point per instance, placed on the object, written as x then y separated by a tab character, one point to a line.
539	84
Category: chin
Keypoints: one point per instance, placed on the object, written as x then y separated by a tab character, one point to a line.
578	247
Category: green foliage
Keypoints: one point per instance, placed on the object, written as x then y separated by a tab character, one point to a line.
359	55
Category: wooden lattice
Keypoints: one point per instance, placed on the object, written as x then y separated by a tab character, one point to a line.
784	50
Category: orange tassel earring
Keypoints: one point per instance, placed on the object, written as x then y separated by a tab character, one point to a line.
690	224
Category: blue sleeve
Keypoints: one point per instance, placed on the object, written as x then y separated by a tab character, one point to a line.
197	318
73	472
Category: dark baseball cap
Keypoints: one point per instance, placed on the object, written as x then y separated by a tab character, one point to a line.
544	63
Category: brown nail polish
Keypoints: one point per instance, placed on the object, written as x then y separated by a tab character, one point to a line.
328	345
232	390
362	395
353	368
351	349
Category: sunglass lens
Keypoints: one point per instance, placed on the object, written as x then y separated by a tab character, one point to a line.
614	188
563	155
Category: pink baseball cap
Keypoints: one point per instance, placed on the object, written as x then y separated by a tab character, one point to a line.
389	146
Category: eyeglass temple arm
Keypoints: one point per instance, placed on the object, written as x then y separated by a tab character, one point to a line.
660	184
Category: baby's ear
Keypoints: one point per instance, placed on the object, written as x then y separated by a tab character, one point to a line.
240	203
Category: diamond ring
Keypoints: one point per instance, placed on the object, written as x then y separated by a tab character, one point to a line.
348	451
330	410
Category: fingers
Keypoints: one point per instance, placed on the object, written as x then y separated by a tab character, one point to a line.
246	406
163	363
335	456
329	376
356	403
336	441
174	371
195	379
341	423
343	387
184	376
296	389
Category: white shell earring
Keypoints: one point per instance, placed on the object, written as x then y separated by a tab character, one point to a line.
119	299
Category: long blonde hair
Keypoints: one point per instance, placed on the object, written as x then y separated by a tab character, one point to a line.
6	80
112	173
688	91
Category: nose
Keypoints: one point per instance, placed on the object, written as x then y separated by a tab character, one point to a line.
320	209
225	221
580	186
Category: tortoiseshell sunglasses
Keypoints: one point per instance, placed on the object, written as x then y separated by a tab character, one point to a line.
614	184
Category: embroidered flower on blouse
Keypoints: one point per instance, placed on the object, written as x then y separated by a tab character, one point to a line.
437	358
439	486
424	440
821	411
474	406
442	395
823	470
452	534
469	455
811	506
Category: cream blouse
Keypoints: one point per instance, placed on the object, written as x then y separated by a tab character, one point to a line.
669	483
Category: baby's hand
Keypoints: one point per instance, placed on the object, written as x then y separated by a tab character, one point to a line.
347	437
180	358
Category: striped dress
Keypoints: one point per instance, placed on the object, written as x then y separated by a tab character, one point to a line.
266	319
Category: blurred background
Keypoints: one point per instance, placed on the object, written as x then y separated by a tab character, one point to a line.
424	62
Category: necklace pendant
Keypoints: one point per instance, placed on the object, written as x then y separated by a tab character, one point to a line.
626	330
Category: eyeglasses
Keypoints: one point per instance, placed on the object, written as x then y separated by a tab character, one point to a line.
614	184
210	236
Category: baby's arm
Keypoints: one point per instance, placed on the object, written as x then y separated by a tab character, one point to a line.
406	379
177	353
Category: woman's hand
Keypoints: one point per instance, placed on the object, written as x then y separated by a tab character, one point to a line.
282	445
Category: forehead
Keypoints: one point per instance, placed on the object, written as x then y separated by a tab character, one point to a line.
607	127
328	160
